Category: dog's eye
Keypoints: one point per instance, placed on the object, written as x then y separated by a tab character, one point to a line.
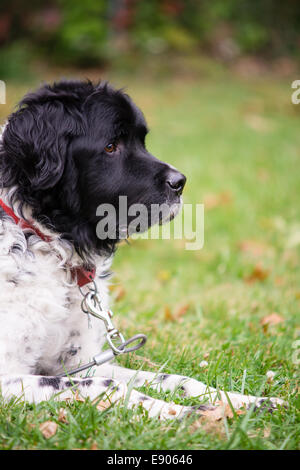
111	147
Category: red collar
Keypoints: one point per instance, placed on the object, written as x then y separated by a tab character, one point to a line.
83	276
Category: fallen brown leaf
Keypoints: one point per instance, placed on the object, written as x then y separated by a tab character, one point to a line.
212	201
77	397
272	319
211	420
48	429
167	314
253	247
177	315
103	405
258	274
62	416
182	310
120	292
215	413
220	411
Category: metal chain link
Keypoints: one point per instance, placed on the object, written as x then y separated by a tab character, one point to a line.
91	305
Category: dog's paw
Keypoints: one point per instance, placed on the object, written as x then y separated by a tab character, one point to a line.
237	401
269	404
172	411
197	410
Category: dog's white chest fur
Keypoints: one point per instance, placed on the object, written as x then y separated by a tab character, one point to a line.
40	316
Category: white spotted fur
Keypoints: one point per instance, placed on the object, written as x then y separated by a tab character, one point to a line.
40	304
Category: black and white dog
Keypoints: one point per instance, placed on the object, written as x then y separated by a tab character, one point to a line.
68	148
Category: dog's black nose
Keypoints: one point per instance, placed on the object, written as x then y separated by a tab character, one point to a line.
176	181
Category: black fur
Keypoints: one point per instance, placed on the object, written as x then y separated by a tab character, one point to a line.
53	382
107	382
53	152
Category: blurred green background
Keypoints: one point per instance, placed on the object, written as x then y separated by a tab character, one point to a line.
99	33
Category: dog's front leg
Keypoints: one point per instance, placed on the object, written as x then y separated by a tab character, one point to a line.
38	388
188	386
35	389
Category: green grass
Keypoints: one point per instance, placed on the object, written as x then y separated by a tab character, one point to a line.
233	137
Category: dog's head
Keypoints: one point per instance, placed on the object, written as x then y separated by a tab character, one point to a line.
74	146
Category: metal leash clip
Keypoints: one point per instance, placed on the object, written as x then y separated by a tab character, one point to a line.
91	305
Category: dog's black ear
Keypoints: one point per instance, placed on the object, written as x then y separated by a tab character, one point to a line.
36	139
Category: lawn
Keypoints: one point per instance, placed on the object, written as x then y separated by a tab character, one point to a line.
238	143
